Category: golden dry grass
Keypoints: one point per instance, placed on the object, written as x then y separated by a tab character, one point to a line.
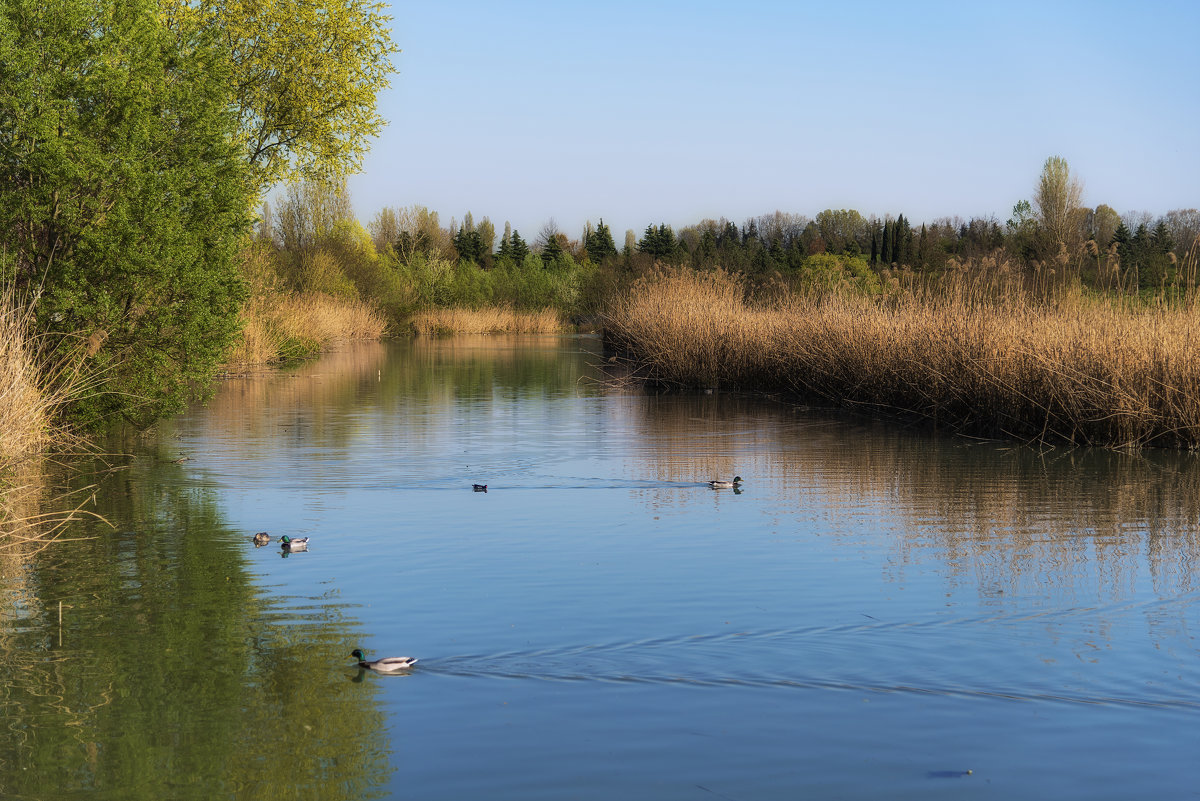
33	388
1067	369
500	320
279	326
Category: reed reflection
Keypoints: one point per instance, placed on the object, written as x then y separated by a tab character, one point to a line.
1008	519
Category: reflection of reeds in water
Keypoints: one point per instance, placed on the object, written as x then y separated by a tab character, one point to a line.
34	388
499	320
1062	368
1008	519
257	404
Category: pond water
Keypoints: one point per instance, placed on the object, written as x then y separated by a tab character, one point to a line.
878	613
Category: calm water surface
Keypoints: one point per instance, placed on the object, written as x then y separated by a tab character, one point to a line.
876	613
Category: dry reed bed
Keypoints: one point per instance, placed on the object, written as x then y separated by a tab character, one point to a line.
1076	371
285	325
499	320
33	388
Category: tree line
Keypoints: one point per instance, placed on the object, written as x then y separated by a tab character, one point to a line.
1052	228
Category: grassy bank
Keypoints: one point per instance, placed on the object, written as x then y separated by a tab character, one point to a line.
1049	366
280	322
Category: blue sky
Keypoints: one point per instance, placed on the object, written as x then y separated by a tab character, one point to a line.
648	112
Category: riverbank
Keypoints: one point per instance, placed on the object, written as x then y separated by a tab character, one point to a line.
1062	368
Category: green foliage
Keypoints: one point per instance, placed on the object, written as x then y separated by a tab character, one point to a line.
840	230
600	244
831	272
123	199
517	249
302	77
528	286
659	243
551	251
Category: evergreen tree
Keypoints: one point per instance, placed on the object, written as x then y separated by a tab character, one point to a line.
750	232
505	249
886	249
658	242
551	251
599	244
518	250
1160	238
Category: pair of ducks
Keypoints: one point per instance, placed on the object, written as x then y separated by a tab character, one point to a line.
285	542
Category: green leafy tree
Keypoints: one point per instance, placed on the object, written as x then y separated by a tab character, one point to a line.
123	196
303	78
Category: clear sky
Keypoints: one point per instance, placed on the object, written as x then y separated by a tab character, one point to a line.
648	112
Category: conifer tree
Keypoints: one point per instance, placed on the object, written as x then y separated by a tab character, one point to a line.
517	247
599	243
551	250
505	249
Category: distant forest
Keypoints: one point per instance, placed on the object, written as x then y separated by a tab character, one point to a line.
782	241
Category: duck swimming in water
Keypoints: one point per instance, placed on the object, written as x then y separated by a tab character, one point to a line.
479	487
262	538
719	484
289	544
389	664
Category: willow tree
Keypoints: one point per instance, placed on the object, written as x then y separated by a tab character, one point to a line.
122	198
305	75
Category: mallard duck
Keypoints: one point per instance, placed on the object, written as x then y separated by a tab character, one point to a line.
479	487
389	664
262	538
289	544
718	484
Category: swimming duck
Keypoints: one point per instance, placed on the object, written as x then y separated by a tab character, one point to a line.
289	544
262	538
718	484
389	664
479	487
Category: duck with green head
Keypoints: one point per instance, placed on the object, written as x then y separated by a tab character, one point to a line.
289	544
388	664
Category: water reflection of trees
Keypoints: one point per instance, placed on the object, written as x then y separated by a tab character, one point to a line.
418	379
170	674
1007	518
